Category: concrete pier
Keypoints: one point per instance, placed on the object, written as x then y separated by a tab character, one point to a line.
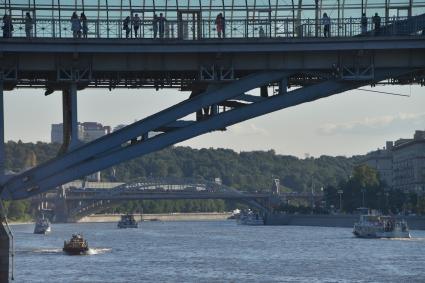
4	254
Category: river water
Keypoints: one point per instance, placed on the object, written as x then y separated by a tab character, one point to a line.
216	252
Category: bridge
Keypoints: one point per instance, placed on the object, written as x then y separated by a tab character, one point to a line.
79	199
74	201
275	46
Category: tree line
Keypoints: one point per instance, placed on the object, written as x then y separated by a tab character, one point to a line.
245	171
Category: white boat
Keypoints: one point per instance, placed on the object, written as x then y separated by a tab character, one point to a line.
127	221
250	218
42	226
379	226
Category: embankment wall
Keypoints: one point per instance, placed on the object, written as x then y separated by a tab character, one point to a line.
160	217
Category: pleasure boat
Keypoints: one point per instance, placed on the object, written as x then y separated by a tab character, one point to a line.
379	226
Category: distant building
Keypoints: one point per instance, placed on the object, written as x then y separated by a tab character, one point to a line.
56	134
401	164
93	131
87	131
119	127
409	164
382	161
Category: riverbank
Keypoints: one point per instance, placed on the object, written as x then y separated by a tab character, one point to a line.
97	218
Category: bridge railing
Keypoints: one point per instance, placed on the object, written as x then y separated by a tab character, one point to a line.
206	29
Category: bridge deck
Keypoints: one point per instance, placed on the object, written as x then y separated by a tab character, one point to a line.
113	63
236	45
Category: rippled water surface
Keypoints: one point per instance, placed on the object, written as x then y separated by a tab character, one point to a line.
216	252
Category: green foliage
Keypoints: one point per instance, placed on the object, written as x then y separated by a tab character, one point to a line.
365	189
245	171
18	210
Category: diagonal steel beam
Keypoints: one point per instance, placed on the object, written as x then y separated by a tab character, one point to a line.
30	178
272	104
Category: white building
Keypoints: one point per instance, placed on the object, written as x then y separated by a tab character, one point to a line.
382	161
87	131
409	164
402	164
56	134
93	131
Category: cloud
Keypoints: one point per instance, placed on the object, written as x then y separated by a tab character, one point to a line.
374	124
248	130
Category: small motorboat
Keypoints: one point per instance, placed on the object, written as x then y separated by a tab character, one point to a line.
127	221
250	217
42	226
76	246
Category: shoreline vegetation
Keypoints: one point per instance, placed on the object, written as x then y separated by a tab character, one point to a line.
343	182
244	171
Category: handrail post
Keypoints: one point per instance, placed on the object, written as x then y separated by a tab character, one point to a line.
53	28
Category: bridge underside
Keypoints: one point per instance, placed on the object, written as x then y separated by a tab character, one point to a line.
193	66
218	81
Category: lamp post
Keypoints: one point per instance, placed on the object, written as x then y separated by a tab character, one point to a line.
340	192
363	191
386	201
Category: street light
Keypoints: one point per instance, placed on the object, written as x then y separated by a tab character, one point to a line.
386	201
340	192
363	191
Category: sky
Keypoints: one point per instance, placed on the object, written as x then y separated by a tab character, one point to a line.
350	123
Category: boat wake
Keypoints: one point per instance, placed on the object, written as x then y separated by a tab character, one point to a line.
97	251
91	251
46	251
413	239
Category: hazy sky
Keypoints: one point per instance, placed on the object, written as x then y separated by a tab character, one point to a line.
351	123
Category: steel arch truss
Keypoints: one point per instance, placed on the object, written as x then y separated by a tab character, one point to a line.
133	141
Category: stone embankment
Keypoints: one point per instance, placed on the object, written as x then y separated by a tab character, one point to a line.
160	217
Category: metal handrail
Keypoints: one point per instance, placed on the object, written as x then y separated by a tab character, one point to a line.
189	30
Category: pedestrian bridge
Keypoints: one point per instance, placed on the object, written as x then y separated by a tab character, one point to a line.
197	19
73	203
274	46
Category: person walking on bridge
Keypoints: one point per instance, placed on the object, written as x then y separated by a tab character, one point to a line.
155	25
376	23
28	25
364	23
219	25
85	27
161	25
7	26
136	25
75	26
326	22
126	26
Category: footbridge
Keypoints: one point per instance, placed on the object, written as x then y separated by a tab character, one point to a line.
72	203
218	51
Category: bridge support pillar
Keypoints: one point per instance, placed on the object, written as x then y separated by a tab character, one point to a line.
61	214
4	235
2	145
4	253
70	118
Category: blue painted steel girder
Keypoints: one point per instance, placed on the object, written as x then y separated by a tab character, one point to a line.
219	121
27	183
